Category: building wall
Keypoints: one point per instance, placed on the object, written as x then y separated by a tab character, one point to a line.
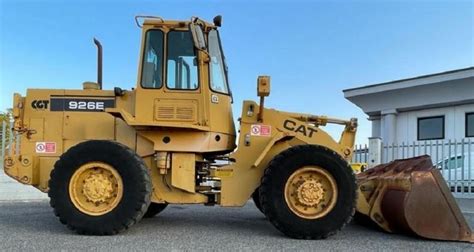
438	94
406	124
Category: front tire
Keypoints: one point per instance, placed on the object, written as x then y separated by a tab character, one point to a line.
99	187
154	209
308	192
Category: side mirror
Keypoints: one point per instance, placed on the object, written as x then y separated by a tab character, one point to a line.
263	86
118	91
263	89
198	35
217	20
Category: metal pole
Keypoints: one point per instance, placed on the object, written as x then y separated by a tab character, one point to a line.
403	150
455	160
366	153
462	166
462	159
437	152
470	166
393	152
418	148
425	147
10	142
431	149
4	127
449	158
442	158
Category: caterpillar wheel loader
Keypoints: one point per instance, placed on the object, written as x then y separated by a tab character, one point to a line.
108	158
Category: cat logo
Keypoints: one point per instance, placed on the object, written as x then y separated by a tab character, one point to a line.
291	125
40	104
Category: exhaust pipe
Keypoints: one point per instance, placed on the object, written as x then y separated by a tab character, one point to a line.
99	62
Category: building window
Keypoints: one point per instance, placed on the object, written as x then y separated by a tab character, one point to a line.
430	128
470	124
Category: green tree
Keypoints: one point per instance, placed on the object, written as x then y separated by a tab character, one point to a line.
7	118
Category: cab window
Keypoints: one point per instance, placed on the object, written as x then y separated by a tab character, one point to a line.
152	64
182	71
217	68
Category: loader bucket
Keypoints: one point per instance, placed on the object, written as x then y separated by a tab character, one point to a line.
410	196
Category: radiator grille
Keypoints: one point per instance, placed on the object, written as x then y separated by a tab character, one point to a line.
184	113
176	110
165	112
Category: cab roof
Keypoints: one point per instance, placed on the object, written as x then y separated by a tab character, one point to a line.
160	22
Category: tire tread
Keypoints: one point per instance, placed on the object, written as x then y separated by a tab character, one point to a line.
76	152
274	168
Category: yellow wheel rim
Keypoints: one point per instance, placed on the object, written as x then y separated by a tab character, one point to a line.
311	192
95	188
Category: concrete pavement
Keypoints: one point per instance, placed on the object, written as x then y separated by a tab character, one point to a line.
10	190
27	222
32	226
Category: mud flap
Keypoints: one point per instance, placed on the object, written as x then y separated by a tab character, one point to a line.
410	196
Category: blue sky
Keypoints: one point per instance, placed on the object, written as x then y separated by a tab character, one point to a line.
311	49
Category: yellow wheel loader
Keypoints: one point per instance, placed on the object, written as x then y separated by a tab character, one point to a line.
108	158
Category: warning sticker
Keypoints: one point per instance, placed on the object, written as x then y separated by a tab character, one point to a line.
45	147
224	173
260	130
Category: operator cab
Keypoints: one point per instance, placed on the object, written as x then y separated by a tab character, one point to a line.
181	58
182	79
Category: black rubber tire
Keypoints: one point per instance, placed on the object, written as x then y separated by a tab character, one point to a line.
256	199
365	221
272	194
154	209
136	187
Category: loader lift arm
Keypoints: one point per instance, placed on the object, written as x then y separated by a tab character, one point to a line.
348	134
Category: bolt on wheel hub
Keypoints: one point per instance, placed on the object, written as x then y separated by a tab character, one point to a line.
311	192
95	188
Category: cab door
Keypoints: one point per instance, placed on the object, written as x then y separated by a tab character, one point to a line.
169	91
221	101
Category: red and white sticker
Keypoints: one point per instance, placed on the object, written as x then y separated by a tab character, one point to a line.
45	147
260	130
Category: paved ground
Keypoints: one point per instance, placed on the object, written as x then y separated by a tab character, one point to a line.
28	223
10	189
32	226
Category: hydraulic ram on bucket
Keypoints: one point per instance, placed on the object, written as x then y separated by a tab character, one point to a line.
411	196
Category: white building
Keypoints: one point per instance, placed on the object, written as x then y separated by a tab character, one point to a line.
438	106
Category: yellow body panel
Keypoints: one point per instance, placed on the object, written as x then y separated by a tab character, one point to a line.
358	167
287	130
183	171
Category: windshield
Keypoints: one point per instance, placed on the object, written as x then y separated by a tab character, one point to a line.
217	67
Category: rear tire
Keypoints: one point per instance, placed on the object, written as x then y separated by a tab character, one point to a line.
256	199
99	187
319	212
154	209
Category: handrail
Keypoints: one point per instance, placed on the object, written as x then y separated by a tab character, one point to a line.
143	17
